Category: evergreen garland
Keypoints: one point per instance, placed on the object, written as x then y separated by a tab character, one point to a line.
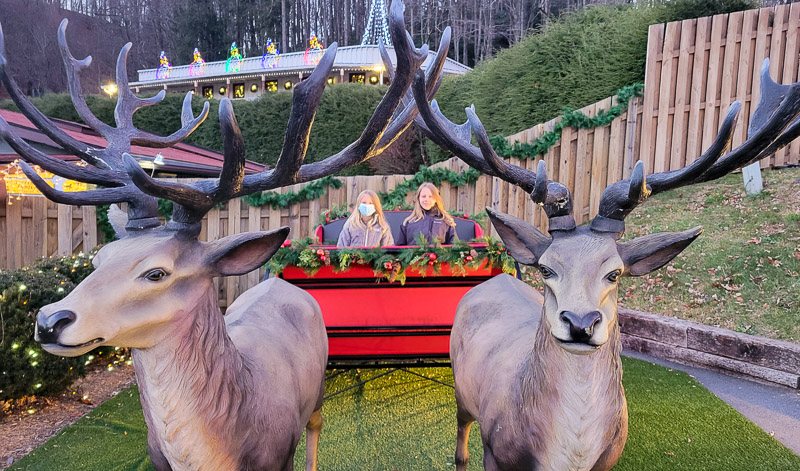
572	119
396	199
309	192
426	258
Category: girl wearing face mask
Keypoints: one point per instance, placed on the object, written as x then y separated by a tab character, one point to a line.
366	227
428	218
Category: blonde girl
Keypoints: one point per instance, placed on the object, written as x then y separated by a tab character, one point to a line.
366	226
428	218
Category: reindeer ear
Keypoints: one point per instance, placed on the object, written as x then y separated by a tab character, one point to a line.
241	253
645	254
524	242
118	219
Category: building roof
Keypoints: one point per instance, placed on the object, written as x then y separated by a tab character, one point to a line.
347	57
185	160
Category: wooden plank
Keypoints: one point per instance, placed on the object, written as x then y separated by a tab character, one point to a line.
697	94
582	181
680	120
666	96
599	159
616	148
730	66
744	74
214	233
790	72
567	159
64	229
650	104
761	51
89	233
633	133
39	220
776	54
14	233
719	25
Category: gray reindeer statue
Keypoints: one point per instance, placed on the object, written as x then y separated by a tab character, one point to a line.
541	373
220	393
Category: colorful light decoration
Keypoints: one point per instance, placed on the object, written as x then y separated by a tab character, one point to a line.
198	65
163	69
377	26
18	184
314	52
235	60
271	57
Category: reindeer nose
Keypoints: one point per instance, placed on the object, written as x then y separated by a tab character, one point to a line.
581	328
48	328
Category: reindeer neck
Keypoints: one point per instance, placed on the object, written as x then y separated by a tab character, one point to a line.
580	397
191	385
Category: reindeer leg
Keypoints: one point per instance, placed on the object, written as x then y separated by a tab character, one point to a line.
464	424
313	430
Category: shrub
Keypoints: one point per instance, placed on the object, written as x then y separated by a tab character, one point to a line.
25	368
573	61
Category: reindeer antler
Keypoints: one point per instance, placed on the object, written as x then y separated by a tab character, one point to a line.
109	162
554	197
774	124
386	124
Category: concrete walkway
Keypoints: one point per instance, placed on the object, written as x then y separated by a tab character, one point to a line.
776	409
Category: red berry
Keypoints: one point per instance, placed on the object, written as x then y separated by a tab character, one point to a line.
431	262
432	256
388	265
468	258
286	243
322	258
466	216
320	252
327	220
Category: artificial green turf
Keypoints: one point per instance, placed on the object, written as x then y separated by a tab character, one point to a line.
402	422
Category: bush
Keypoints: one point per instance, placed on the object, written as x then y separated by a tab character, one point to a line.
25	368
574	61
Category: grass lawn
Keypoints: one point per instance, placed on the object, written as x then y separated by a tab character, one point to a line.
742	273
402	422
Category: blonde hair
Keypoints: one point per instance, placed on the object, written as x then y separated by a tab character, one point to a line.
355	217
418	213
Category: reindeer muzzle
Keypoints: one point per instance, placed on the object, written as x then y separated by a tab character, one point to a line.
581	328
48	328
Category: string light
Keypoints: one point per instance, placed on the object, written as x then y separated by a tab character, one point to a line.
198	65
235	60
377	26
164	67
313	54
271	57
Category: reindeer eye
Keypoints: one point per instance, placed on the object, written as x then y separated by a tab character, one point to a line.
613	277
546	272
155	275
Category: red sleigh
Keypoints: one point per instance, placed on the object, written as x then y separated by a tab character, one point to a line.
369	318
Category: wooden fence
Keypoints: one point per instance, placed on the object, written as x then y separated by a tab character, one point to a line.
703	65
695	70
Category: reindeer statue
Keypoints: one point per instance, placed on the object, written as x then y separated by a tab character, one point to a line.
542	373
220	393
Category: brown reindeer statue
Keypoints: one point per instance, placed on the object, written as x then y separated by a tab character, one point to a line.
218	392
541	373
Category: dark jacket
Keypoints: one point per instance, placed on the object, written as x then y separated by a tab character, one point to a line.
432	226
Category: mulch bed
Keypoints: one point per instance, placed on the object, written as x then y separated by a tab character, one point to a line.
27	423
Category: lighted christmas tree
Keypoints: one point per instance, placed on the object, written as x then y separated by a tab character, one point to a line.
377	26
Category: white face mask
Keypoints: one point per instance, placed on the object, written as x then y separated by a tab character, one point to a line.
366	209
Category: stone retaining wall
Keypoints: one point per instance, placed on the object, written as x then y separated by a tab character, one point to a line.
683	341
